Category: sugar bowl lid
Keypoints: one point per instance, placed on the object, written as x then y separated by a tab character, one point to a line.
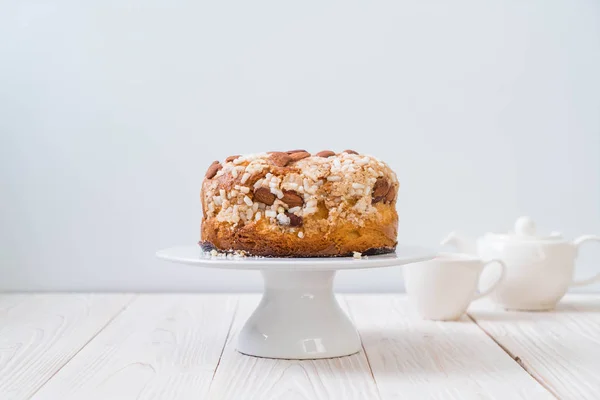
525	231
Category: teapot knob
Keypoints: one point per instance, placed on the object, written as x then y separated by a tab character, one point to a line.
525	226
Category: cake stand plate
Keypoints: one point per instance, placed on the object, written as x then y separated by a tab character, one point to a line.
298	316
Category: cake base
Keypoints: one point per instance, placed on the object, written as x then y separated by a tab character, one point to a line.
208	246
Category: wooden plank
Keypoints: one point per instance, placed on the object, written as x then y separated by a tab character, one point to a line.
40	333
413	358
561	349
160	347
244	377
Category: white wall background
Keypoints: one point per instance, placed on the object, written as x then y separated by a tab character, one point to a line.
110	112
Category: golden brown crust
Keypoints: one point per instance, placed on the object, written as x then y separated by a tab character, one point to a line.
323	207
260	238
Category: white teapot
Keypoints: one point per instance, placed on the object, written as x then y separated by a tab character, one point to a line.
539	269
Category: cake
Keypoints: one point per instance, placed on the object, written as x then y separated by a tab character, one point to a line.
297	204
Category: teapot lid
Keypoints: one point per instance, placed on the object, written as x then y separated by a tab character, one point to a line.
525	231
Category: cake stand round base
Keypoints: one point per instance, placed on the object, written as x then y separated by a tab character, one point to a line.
298	318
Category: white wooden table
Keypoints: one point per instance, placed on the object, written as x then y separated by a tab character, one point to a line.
182	346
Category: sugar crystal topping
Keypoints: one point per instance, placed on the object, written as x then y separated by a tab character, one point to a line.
343	183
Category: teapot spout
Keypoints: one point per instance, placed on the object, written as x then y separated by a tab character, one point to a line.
462	243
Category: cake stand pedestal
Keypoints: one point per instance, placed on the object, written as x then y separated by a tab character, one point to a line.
298	316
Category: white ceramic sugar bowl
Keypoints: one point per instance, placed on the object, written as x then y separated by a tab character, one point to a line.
539	270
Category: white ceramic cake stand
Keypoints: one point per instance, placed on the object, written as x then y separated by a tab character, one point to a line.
298	316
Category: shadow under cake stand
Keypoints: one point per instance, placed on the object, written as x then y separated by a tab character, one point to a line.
298	316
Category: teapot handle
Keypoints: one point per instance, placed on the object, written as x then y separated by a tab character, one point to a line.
577	243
